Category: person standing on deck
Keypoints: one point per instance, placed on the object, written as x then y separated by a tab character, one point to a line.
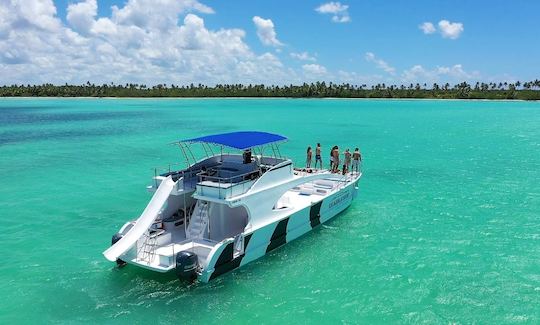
308	158
318	155
357	158
347	163
336	159
332	158
246	156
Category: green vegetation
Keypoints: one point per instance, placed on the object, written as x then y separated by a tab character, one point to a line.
525	91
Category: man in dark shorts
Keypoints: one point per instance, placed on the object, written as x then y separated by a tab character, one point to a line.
318	155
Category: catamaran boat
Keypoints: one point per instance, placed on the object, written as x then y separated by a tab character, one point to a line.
228	209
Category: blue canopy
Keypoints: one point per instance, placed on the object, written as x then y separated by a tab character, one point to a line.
240	140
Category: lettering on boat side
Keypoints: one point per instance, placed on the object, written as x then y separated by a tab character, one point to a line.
339	199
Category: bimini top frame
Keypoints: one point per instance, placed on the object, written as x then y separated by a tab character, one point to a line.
242	140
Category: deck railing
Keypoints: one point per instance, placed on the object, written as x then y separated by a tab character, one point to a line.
186	175
228	186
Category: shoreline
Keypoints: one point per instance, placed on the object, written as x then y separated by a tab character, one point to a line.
274	98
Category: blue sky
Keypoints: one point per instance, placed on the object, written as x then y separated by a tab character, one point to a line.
268	41
498	37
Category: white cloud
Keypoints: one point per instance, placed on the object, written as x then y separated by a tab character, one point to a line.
339	12
303	56
314	69
149	42
381	64
81	15
450	30
341	19
142	42
416	73
161	15
355	78
455	73
446	28
30	14
266	32
427	28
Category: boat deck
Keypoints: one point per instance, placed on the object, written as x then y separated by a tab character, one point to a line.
163	258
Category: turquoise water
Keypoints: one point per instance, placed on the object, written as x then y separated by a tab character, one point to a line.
446	227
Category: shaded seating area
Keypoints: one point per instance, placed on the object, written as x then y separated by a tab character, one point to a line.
230	172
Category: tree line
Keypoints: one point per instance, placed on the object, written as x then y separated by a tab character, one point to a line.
503	90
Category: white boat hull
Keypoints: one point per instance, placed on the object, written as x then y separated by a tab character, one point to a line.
266	239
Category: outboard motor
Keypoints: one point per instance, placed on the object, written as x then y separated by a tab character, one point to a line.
116	237
186	265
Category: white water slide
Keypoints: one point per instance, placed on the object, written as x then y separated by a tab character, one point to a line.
144	222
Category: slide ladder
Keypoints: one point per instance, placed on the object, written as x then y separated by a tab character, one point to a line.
144	222
148	249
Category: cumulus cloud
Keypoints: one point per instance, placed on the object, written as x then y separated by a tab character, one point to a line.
143	41
450	30
455	73
314	69
427	28
446	29
166	41
417	73
161	15
27	15
81	15
339	12
355	78
266	31
303	56
381	64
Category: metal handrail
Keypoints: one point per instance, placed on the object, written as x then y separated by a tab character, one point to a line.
229	179
204	223
168	167
183	173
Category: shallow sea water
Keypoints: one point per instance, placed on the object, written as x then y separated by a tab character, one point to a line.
446	227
